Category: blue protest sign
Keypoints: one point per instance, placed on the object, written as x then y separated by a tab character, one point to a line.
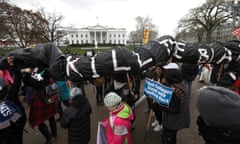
157	91
8	114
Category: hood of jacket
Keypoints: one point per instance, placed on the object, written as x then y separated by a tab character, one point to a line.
124	111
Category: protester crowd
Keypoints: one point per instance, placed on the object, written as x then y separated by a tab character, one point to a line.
118	94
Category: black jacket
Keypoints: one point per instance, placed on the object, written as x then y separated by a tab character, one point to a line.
77	119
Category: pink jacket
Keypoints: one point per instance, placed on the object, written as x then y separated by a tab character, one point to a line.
7	76
118	125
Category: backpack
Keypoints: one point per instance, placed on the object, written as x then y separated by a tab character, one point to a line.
99	81
34	79
52	93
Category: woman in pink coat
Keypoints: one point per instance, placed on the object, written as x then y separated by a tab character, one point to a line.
118	124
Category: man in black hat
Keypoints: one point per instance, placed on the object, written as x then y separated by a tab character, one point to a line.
176	116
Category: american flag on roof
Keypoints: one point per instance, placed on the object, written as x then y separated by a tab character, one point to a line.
236	32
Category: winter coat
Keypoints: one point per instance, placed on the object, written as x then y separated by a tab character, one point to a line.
181	119
118	125
41	111
77	119
64	90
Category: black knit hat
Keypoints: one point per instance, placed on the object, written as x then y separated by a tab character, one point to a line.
172	73
173	76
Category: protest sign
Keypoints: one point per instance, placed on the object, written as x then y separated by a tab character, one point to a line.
8	113
158	92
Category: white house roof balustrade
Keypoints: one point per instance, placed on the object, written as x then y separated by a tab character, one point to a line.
96	27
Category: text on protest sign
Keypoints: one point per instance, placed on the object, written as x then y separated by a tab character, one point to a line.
158	92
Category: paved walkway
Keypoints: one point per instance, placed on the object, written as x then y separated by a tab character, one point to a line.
185	136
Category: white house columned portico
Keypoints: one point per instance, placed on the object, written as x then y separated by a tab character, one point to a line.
98	33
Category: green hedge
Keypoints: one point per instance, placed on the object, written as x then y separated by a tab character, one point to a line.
72	50
3	51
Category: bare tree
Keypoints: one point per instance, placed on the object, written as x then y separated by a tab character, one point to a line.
143	23
3	26
53	32
193	33
21	26
207	17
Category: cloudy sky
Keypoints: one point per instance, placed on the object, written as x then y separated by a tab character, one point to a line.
115	13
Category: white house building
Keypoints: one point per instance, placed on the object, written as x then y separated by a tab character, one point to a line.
95	34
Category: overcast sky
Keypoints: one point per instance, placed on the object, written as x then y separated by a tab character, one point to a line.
165	14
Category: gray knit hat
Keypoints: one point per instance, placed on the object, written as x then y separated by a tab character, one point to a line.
76	92
219	106
112	99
